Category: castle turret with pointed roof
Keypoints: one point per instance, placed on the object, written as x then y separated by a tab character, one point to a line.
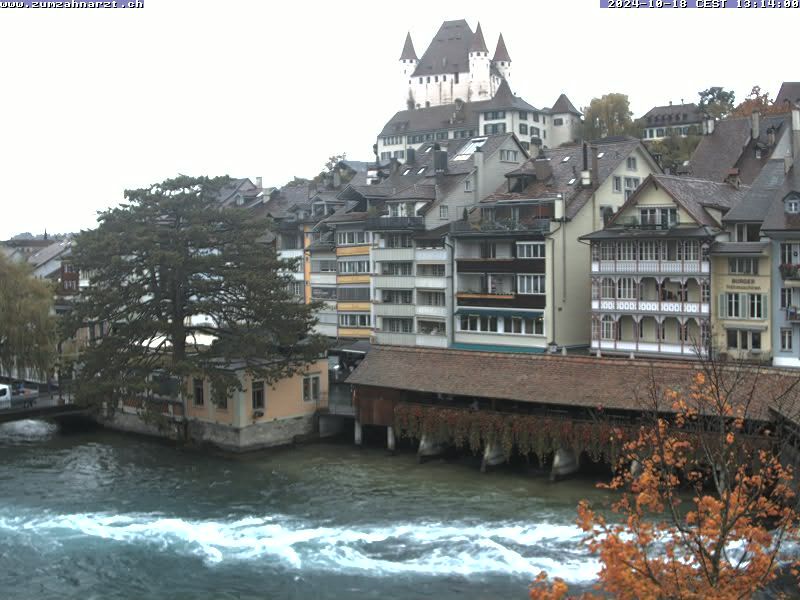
502	61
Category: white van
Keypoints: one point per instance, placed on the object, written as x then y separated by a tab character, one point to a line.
5	396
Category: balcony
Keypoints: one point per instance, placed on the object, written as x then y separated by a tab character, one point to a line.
501	300
383	309
395	224
430	282
793	314
395	339
429	310
651	306
430	254
431	341
653	347
393	282
501	265
386	254
650	266
790	273
500	226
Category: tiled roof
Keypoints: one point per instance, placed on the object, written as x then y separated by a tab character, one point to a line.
408	49
543	379
758	200
563	171
50	252
696	194
448	50
777	219
673	114
501	52
790	91
478	44
453	116
563	106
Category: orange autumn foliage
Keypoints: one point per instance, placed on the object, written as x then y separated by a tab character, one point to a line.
724	543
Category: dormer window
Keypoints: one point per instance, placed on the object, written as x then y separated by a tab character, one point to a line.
793	206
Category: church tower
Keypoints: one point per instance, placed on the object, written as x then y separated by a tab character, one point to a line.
479	68
408	64
501	60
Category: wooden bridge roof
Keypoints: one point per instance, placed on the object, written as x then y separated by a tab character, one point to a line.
556	380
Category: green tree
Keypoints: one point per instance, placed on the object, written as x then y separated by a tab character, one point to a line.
608	115
27	324
186	288
674	150
716	102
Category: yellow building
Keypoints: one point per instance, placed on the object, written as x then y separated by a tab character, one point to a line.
259	415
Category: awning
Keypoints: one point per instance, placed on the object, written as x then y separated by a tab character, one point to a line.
354	346
499	312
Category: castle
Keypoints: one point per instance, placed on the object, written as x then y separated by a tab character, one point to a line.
456	66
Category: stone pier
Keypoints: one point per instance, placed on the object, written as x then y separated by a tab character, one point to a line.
357	432
492	455
428	447
390	439
565	463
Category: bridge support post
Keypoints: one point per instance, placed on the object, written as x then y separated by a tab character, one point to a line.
492	455
390	439
357	432
565	462
428	447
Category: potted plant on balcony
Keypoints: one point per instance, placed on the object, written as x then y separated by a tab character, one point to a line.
789	270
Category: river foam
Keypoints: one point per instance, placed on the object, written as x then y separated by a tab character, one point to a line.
26	430
428	548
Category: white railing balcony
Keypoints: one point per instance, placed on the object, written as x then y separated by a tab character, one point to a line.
687	349
431	254
427	310
431	341
383	309
430	283
652	306
386	254
650	266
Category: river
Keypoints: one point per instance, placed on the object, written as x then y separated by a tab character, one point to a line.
104	515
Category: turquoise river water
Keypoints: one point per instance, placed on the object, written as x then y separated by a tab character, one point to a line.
106	516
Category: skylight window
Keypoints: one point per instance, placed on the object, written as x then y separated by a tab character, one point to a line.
565	159
571	181
407	171
428	149
601	154
421	171
469	148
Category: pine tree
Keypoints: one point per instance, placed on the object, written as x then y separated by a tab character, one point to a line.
185	288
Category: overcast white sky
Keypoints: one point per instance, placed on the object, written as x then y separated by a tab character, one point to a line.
96	101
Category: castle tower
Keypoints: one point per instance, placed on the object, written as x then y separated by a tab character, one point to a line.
408	64
479	68
501	60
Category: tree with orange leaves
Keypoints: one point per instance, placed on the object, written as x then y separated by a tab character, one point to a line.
758	101
712	443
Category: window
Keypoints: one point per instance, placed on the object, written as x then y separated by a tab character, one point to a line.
467	185
353	294
431	298
523	128
508	155
748	232
649	250
756	307
523	116
430	270
534	131
322	293
297	289
631	183
626	250
352	238
488	250
396	268
630	163
732	305
199	392
353	266
789	253
386	155
257	395
354	320
607	288
443	211
493	129
323	266
607	327
398	240
626	288
494	115
743	266
530	249
786	297
441	135
743	306
535	117
530	284
398	325
399	154
792	206
558	122
311	386
786	340
488	324
733	338
397	296
617	183
663	217
608	251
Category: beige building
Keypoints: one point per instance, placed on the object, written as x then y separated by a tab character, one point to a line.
259	415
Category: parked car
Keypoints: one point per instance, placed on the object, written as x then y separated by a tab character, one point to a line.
5	396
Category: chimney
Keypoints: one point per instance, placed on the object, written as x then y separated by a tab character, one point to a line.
755	120
586	174
795	133
542	169
595	176
440	161
771	136
337	179
411	156
394	165
708	125
259	181
477	160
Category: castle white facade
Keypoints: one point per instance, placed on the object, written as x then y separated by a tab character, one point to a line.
455	66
